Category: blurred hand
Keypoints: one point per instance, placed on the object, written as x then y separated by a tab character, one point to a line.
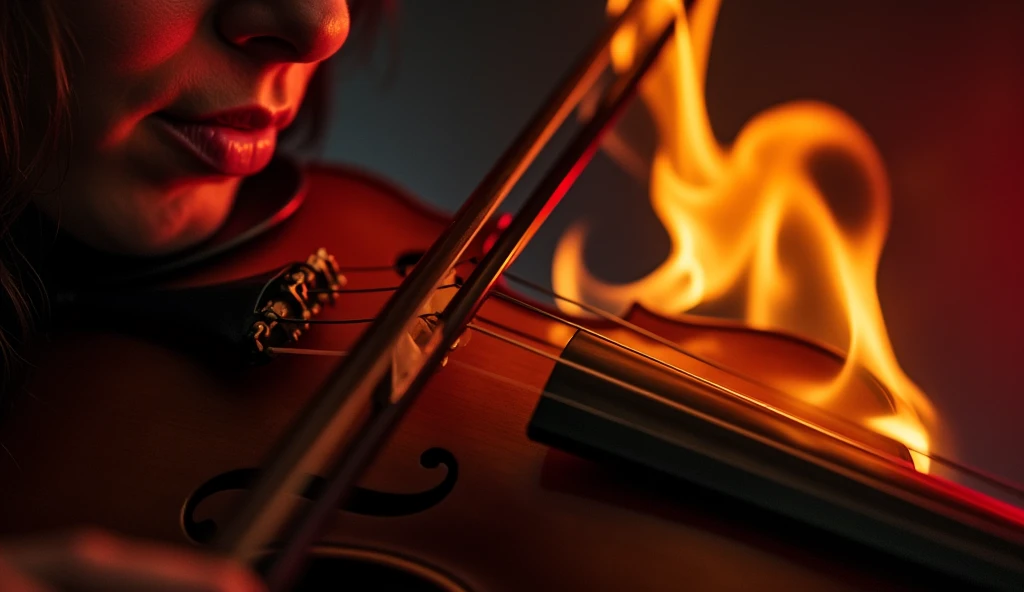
95	560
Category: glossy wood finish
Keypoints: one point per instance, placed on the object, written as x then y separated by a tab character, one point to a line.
116	431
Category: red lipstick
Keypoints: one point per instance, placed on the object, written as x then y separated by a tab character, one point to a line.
236	142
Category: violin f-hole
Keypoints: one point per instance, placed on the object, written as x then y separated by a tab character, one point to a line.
368	502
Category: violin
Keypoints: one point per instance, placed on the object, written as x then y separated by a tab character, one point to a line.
345	388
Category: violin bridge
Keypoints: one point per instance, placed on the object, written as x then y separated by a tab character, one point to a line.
421	337
295	295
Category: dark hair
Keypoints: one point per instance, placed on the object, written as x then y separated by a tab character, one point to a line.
32	33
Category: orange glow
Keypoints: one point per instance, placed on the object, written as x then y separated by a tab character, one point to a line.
750	223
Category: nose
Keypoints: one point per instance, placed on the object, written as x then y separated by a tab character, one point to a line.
285	30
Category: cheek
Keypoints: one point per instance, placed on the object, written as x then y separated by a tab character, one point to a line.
131	35
128	57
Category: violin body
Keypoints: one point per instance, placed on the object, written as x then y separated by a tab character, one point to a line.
120	431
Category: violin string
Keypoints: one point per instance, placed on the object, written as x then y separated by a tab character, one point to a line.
273	317
644	333
647	392
270	315
351	290
677	348
319	321
537	287
720	388
717	365
620	383
558	359
604	315
633	350
393	267
519	332
993	480
687	373
986	477
591	309
366	268
372	290
302	351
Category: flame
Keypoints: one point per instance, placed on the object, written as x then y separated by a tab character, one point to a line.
751	223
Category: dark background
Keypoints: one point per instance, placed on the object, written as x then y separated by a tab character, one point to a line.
939	86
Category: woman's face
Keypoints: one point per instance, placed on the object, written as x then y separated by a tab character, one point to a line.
174	101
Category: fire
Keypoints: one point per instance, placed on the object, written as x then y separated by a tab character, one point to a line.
751	223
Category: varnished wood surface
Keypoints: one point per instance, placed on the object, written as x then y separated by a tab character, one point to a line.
117	432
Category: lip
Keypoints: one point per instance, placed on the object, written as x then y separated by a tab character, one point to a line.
237	142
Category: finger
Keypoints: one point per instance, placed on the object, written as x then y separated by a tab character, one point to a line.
93	560
14	580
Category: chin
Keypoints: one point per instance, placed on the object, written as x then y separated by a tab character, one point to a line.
147	223
124	207
142	241
173	225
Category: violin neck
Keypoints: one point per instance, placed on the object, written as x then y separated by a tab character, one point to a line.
772	460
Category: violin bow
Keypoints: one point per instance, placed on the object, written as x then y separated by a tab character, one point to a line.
362	402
